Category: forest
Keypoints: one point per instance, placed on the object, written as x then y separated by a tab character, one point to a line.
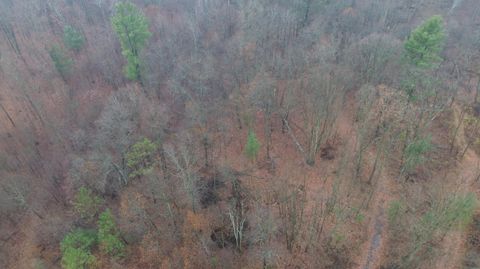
242	134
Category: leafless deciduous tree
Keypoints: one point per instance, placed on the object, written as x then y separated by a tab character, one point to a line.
184	163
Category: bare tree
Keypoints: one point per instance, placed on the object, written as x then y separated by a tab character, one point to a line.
185	168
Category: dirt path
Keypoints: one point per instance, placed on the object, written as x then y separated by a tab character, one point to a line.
376	240
373	250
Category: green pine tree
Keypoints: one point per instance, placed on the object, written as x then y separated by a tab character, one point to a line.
140	158
252	146
86	203
72	38
76	249
62	62
423	46
108	235
131	27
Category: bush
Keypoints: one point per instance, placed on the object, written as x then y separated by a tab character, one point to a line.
62	62
72	38
108	235
76	247
86	203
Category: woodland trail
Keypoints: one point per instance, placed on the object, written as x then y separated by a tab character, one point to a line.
375	242
373	250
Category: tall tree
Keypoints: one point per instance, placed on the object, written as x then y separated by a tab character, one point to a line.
422	52
131	27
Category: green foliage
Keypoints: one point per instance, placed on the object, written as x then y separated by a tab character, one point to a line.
76	247
425	43
62	62
131	27
252	146
108	235
140	157
415	153
86	203
72	38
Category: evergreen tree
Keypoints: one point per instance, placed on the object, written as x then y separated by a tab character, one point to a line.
62	62
72	38
108	235
76	247
252	146
140	157
131	27
425	43
86	203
